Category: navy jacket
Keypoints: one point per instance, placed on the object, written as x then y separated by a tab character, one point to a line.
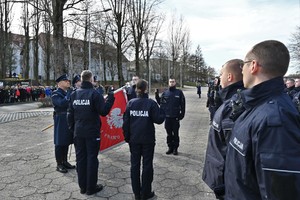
60	101
219	134
263	157
86	105
140	115
131	93
172	101
296	98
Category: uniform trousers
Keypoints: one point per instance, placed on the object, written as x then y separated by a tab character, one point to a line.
138	151
87	162
172	127
61	153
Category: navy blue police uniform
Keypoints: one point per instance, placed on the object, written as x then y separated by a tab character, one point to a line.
263	157
75	80
219	134
86	105
296	100
131	93
139	131
62	135
172	101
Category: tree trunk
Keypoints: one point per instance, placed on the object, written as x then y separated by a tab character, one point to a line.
58	38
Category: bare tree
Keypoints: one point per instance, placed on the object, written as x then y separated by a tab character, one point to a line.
5	11
150	39
36	27
100	28
119	30
186	46
141	16
295	47
176	38
55	9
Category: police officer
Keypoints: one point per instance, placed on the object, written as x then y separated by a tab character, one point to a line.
139	131
290	87
263	155
131	91
213	97
76	82
86	105
172	101
296	97
62	136
231	79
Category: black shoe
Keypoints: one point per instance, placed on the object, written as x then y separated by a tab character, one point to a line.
61	169
169	151
97	189
175	152
67	165
148	196
82	191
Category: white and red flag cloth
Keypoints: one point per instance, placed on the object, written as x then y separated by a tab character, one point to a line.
111	129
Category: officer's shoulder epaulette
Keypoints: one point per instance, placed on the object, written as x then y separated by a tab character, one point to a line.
272	113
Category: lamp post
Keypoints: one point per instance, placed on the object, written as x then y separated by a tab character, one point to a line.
89	25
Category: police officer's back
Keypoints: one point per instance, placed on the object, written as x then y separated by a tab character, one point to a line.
139	131
86	105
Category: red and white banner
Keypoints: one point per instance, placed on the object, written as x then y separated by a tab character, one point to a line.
111	129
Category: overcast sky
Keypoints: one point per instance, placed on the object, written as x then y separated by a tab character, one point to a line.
227	29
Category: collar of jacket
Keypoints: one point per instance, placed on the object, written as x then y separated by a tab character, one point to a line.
86	85
297	89
61	91
145	95
227	92
262	91
172	88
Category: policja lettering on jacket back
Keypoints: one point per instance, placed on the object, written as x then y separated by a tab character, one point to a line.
139	113
81	102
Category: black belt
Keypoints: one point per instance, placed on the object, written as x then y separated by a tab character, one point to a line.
59	113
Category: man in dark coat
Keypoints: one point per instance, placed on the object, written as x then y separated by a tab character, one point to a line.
131	93
62	135
263	155
231	79
86	106
139	131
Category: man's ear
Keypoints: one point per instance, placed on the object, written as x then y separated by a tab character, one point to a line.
229	77
254	67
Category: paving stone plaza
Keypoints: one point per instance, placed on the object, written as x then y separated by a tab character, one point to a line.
28	167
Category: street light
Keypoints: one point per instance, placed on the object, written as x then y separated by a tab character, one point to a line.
89	16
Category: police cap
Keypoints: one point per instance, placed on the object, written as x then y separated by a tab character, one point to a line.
62	78
76	79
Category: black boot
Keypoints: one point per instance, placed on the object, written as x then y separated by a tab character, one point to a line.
60	168
175	152
67	165
170	150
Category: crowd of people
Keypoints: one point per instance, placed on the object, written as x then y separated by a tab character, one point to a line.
19	93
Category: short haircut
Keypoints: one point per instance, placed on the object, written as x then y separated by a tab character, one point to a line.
141	86
291	80
234	66
273	56
86	75
172	77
